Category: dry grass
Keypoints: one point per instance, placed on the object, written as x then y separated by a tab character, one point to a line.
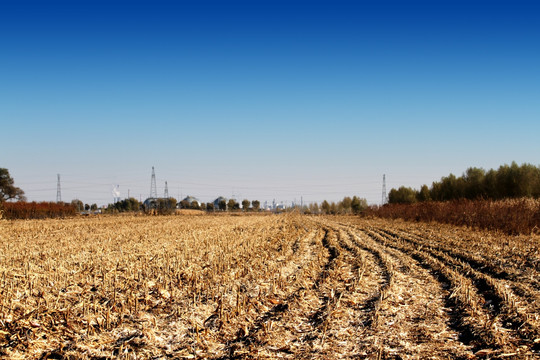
287	286
34	210
512	216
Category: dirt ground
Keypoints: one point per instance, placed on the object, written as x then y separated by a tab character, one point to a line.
265	287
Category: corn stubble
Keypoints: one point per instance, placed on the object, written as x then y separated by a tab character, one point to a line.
243	287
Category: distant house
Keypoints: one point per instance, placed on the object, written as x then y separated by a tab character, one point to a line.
188	200
151	203
217	201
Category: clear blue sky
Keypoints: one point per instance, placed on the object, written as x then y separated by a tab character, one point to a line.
264	99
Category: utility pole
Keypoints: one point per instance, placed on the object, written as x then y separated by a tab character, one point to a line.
166	195
58	191
384	199
153	188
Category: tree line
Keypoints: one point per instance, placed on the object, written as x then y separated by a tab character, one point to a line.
348	205
507	182
8	191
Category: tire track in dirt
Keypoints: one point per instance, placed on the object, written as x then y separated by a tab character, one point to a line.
373	304
482	264
405	317
524	285
319	317
408	320
348	301
499	300
467	333
248	340
479	325
454	299
329	312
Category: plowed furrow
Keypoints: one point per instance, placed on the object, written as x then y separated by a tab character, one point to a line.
486	263
408	320
499	300
527	287
250	338
351	293
330	291
299	324
477	263
467	317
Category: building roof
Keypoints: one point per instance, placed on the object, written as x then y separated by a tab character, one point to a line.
190	199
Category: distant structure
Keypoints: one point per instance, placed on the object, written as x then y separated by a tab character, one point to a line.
153	188
166	193
384	199
190	200
152	201
58	191
116	193
217	201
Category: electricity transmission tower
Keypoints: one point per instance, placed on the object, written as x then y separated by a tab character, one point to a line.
384	199
166	194
58	191
153	188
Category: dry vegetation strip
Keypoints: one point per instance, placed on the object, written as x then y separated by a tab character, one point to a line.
233	287
512	216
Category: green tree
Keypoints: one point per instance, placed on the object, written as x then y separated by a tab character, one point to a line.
333	208
93	207
210	206
449	188
508	181
77	204
325	207
222	205
132	204
245	204
233	205
423	194
358	205
528	181
403	195
8	191
165	206
345	205
474	183
256	205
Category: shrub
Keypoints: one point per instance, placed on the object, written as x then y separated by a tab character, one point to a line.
513	216
35	210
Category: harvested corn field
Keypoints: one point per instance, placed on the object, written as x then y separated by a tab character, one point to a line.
246	287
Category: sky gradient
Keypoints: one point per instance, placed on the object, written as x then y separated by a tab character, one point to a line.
263	99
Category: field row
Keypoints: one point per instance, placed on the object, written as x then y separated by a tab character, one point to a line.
241	287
